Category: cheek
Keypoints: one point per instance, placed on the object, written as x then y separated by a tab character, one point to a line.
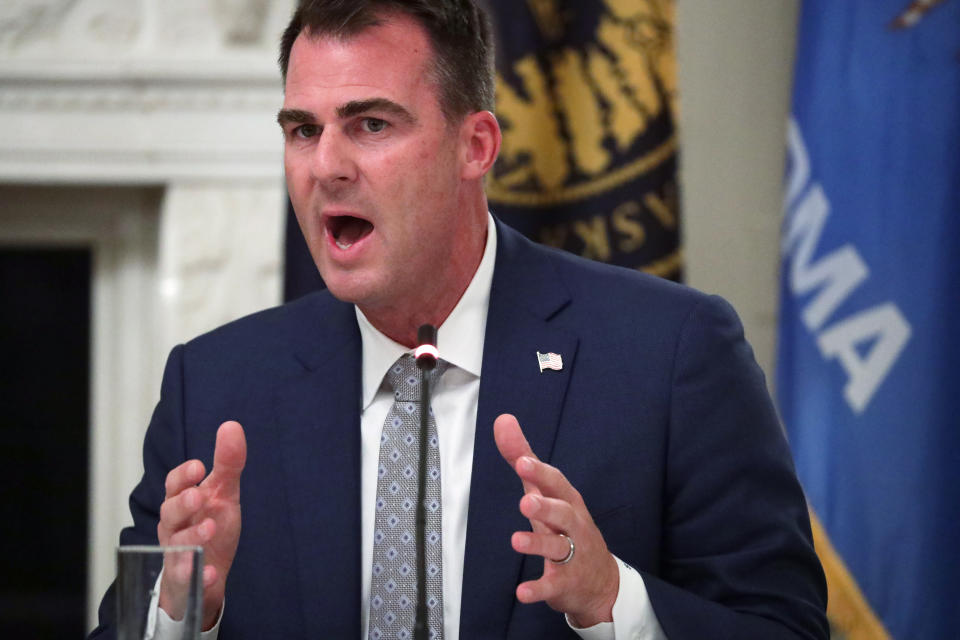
299	186
292	176
297	161
427	152
412	181
399	180
436	168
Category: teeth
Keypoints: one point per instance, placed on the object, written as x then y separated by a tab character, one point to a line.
344	245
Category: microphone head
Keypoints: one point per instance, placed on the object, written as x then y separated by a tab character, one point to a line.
426	352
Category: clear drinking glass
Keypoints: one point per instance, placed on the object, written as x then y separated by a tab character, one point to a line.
138	590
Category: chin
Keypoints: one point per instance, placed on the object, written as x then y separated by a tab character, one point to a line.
349	288
343	292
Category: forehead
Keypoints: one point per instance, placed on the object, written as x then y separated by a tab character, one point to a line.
391	60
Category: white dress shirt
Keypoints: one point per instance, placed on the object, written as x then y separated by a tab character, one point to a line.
455	398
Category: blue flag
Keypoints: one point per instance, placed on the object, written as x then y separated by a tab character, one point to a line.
868	380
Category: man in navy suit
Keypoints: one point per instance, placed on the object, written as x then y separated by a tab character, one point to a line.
656	494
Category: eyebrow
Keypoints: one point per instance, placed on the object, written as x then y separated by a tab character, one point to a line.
298	116
348	110
357	107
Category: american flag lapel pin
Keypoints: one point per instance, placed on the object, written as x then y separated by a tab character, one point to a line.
549	361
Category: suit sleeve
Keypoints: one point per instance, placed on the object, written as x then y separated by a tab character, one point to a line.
164	448
737	556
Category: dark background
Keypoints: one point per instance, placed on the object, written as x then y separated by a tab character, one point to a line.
45	338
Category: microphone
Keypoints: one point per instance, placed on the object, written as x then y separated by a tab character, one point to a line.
426	352
426	355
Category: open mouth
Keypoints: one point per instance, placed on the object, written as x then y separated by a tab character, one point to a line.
348	230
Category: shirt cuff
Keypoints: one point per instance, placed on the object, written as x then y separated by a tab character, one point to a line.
160	626
170	629
633	616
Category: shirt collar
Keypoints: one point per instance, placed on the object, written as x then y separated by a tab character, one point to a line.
459	338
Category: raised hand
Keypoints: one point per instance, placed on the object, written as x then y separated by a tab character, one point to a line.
204	511
586	586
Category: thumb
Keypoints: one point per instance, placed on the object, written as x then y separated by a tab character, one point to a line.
510	439
513	445
229	458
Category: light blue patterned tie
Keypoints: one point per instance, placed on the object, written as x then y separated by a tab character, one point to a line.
393	586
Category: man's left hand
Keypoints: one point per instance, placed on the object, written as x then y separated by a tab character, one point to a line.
586	587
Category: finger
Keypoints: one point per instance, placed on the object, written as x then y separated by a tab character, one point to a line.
177	512
548	479
556	515
195	535
187	474
546	588
209	575
178	566
551	546
229	458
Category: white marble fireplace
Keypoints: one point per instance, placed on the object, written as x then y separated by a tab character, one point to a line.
144	129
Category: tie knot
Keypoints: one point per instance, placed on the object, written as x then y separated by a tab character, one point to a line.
404	377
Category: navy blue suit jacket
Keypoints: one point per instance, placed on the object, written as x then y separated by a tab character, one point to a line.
660	418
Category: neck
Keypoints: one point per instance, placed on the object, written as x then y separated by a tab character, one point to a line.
439	294
402	328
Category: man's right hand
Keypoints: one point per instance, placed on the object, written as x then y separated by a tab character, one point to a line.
204	511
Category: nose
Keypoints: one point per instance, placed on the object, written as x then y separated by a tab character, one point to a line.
333	162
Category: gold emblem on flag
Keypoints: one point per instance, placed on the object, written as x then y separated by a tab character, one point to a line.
560	123
588	115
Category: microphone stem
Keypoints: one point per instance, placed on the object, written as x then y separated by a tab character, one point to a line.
421	630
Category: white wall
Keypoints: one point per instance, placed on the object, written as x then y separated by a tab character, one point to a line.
736	67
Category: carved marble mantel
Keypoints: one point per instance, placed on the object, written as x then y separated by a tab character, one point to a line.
178	95
139	91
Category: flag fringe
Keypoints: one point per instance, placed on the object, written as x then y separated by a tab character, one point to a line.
847	609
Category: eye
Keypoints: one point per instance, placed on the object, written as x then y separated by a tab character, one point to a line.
373	125
306	131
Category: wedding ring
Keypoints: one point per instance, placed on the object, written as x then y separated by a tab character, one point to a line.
569	555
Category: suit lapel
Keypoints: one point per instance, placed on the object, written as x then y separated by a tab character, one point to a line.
318	416
524	298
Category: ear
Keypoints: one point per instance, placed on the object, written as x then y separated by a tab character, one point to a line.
479	144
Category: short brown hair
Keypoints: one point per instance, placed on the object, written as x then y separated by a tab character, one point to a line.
459	32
